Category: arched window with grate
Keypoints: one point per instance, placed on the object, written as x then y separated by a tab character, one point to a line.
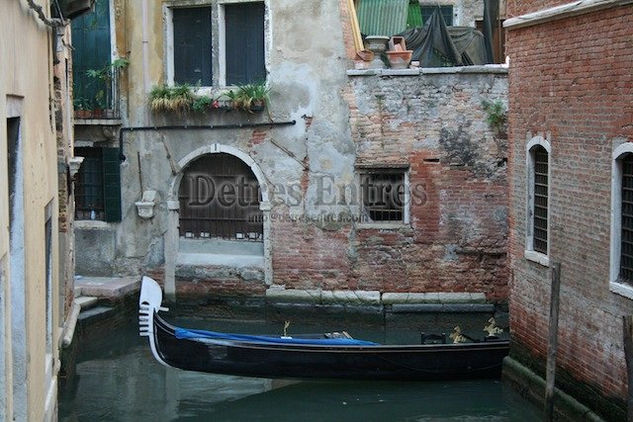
538	200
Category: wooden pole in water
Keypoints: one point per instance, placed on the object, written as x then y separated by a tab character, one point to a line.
552	343
627	325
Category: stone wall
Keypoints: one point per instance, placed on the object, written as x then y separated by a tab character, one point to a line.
570	82
455	242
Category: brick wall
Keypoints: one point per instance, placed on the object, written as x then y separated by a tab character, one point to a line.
571	82
456	239
520	7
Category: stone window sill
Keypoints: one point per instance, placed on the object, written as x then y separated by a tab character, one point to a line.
537	257
382	226
91	224
621	289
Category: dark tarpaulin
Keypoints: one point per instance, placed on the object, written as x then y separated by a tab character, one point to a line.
436	45
491	16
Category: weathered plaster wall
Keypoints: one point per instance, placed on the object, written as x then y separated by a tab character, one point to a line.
26	89
305	74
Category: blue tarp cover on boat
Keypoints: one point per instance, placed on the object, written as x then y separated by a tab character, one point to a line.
182	333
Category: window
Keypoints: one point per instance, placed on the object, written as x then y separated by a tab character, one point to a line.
244	25
238	37
98	185
384	195
445	11
92	50
621	277
192	45
626	220
537	242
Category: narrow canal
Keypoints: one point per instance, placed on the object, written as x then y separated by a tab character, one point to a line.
117	379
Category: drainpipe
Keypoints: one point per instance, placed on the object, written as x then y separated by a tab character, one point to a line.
145	42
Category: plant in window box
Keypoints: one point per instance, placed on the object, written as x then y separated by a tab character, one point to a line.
103	76
99	104
82	108
179	98
202	103
253	97
233	100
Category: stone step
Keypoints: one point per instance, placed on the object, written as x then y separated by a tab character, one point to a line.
194	272
86	302
96	313
108	287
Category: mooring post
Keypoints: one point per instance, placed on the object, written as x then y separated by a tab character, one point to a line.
627	325
552	342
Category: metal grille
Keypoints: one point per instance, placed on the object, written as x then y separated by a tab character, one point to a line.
383	196
219	198
540	199
89	203
626	246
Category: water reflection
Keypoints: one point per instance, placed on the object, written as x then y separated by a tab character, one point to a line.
118	380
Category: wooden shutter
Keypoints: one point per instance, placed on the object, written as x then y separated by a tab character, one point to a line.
91	50
244	25
192	45
112	184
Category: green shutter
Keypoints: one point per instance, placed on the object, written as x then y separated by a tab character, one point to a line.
112	184
91	50
192	45
414	16
244	24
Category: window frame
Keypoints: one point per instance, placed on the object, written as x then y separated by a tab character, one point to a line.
615	285
443	6
530	254
218	39
406	205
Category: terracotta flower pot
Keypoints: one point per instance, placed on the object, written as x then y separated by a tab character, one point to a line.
399	59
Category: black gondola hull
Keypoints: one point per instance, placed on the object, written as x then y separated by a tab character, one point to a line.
381	362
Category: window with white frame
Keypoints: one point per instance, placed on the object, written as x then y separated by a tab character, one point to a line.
622	221
206	52
538	183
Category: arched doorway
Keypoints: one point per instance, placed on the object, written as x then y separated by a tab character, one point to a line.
247	250
219	198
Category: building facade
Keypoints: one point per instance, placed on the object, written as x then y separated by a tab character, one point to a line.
571	99
351	180
36	268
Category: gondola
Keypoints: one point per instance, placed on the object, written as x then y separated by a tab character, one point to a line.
334	356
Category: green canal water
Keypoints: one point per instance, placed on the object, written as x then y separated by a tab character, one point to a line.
117	379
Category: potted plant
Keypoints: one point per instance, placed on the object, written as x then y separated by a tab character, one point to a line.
81	108
253	97
103	76
179	98
202	103
100	104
